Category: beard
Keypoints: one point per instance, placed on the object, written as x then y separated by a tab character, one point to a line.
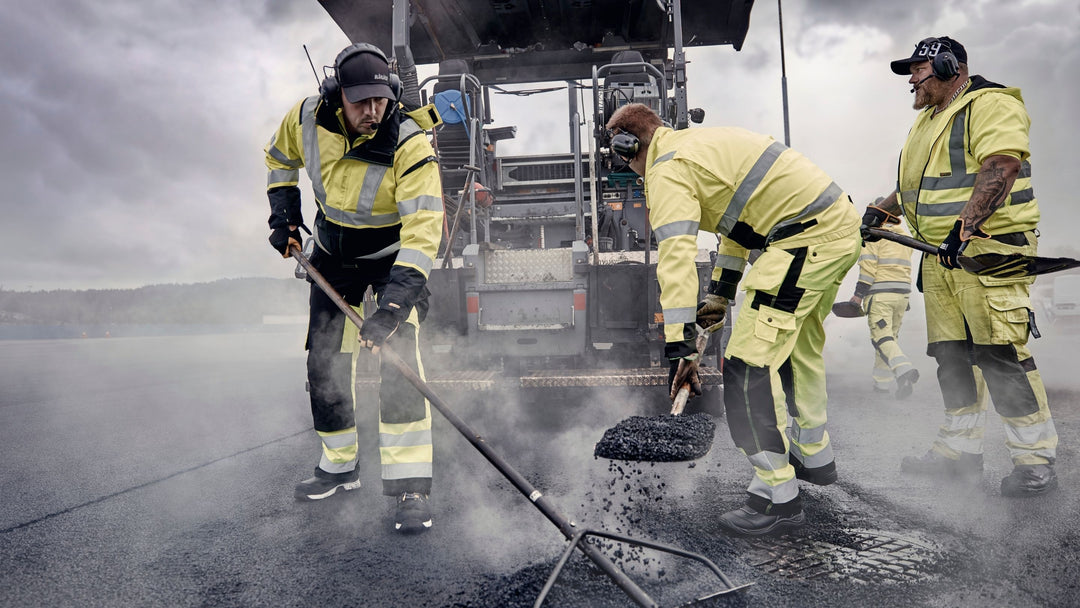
922	99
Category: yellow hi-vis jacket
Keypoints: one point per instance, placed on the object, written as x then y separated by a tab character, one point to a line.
377	195
884	266
751	190
943	155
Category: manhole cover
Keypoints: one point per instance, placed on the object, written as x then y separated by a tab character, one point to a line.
858	555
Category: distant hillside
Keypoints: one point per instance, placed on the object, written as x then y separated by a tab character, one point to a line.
227	301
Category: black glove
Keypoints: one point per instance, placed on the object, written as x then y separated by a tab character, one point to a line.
872	218
948	252
377	328
688	372
281	236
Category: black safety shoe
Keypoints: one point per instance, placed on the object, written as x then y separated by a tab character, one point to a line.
324	485
413	514
932	463
905	383
1029	480
822	476
749	522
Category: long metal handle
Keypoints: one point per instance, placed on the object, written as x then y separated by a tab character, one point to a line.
904	239
546	507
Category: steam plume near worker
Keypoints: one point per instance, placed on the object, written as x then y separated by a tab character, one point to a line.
127	125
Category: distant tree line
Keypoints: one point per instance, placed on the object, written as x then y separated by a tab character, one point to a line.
231	301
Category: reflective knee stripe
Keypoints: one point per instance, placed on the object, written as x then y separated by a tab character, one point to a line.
774	478
770	461
963	433
339	450
1031	443
785	491
810	446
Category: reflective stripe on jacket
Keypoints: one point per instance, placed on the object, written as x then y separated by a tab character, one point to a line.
373	201
943	154
747	187
884	266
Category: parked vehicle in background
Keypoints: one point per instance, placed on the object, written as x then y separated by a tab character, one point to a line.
547	276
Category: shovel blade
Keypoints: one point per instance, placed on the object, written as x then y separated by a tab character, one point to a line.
1003	266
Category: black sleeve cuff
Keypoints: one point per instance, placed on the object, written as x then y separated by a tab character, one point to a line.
405	288
285	206
677	350
861	289
727	285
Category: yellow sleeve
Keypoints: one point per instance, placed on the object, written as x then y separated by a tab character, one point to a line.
675	215
420	205
285	152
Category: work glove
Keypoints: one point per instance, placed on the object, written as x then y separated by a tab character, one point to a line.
711	311
282	236
873	217
681	371
950	250
377	328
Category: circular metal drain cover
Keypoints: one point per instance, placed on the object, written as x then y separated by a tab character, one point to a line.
858	555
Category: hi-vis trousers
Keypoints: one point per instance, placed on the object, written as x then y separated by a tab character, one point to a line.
982	321
405	447
774	369
884	314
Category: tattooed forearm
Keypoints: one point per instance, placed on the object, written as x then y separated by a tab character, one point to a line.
992	186
890	204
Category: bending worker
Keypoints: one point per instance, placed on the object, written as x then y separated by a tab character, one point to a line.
965	182
755	193
882	290
378	224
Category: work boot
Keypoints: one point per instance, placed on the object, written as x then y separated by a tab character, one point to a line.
413	514
324	485
933	463
822	476
905	383
1029	480
749	522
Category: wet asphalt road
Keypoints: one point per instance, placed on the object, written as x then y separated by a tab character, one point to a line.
159	472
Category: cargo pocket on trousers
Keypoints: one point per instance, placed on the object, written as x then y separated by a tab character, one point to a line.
773	324
1008	319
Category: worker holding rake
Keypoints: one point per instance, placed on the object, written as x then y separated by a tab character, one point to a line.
755	194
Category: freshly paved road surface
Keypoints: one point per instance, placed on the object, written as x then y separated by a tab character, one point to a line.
159	472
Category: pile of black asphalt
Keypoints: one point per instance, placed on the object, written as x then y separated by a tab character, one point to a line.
664	438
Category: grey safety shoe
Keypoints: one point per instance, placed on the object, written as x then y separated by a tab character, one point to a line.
412	515
749	522
905	383
932	463
1029	480
324	485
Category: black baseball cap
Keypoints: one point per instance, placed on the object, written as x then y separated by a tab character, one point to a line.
363	75
926	50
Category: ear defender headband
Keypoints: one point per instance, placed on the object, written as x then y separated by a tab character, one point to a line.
330	89
625	145
943	63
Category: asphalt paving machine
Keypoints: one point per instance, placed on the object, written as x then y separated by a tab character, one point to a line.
547	275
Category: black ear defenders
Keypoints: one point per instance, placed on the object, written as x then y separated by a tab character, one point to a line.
330	89
625	145
943	62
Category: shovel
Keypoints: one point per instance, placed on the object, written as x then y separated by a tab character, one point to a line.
683	395
577	536
997	265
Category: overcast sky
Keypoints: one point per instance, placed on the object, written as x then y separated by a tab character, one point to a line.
133	131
